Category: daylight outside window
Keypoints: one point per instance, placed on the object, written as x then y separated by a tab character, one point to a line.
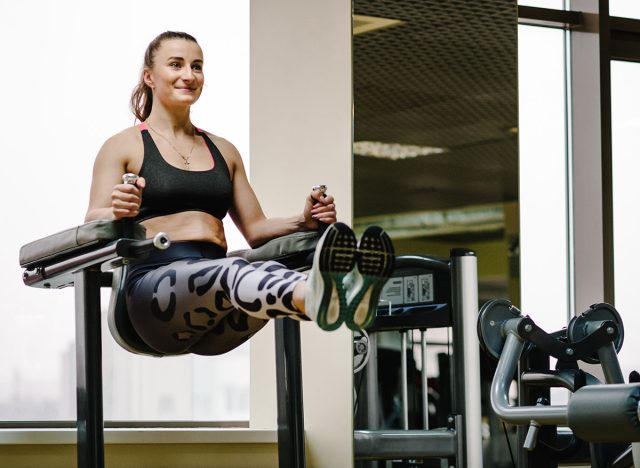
78	62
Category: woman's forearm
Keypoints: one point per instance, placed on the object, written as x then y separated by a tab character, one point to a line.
99	213
270	228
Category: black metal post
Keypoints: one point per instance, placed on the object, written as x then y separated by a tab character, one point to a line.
289	388
90	424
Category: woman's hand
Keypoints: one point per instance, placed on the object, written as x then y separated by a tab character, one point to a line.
126	199
319	208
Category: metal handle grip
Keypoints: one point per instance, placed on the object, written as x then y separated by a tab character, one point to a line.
323	192
532	436
127	223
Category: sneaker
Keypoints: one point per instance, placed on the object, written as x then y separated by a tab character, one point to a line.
375	260
335	256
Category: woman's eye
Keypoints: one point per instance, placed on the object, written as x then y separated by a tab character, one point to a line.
174	65
197	67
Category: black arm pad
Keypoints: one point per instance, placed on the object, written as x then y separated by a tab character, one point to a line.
293	250
70	242
606	413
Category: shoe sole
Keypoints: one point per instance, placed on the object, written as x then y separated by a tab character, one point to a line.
375	259
337	257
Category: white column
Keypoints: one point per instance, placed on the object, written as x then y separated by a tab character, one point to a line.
301	134
587	164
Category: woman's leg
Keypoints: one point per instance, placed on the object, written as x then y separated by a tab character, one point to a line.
173	307
232	331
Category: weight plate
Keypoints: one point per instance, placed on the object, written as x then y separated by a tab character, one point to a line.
490	319
578	327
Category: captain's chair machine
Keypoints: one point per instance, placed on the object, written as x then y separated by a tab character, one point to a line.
95	255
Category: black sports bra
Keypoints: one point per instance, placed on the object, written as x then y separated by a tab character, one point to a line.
172	190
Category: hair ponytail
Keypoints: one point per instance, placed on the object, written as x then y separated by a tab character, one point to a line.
142	95
141	100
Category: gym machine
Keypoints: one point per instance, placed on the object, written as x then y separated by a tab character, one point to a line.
599	421
95	255
423	293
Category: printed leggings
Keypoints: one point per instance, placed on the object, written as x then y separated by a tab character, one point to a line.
190	298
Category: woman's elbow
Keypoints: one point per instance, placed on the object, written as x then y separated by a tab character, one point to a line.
95	214
255	237
254	241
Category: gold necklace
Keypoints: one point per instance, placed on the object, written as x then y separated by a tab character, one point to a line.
186	159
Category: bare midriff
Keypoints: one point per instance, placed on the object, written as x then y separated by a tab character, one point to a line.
188	225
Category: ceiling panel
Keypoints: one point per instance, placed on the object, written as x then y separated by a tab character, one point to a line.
446	77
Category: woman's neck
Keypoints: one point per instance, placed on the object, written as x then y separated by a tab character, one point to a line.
170	122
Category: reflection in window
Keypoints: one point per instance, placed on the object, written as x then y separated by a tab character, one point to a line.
625	102
543	176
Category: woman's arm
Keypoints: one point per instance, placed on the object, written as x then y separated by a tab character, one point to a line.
110	198
247	213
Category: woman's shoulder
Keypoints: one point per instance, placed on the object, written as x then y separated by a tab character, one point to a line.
126	140
217	139
225	146
128	135
125	145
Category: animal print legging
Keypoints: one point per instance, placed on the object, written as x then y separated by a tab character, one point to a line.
188	299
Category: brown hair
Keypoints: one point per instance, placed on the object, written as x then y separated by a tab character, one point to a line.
142	96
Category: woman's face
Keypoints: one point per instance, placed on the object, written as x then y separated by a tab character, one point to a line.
176	77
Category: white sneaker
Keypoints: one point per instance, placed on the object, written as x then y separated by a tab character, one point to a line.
325	296
375	260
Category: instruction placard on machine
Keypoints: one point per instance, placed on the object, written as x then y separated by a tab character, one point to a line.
411	289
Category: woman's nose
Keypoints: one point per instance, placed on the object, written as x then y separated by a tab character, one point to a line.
187	73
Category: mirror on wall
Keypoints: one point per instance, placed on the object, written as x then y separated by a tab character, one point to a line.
435	124
435	164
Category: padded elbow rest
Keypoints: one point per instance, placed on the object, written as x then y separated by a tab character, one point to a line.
73	241
293	250
606	413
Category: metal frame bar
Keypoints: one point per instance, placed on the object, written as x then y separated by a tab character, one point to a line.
624	36
424	381
606	151
466	356
505	371
404	386
400	444
289	391
548	17
90	425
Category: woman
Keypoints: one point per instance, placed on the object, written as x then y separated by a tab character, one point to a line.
190	298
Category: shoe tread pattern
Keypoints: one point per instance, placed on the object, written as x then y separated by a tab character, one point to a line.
375	260
338	252
337	258
375	254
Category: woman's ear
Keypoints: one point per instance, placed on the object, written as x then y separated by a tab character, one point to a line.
146	76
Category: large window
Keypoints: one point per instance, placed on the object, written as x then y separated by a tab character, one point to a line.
73	65
625	102
543	176
625	8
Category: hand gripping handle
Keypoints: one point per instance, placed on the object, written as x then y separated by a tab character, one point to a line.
322	188
127	223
